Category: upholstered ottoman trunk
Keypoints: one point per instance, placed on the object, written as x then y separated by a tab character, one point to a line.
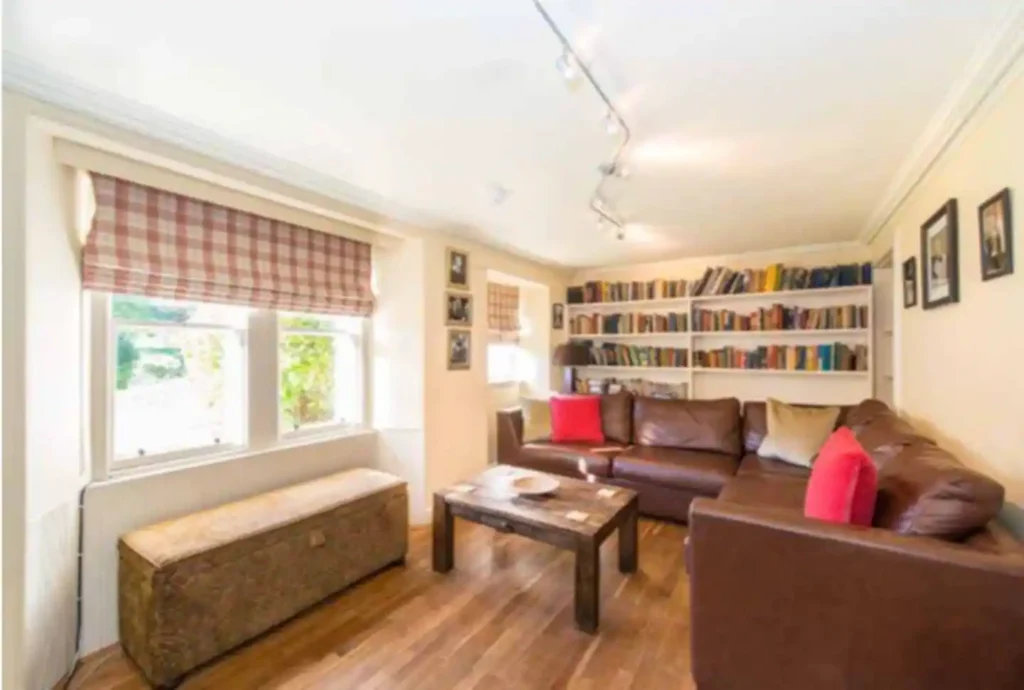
195	587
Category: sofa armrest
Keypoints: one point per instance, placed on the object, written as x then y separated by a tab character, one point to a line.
782	601
510	435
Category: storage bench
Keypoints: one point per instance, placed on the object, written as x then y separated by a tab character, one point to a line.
195	587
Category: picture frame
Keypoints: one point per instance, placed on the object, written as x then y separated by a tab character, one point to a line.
460	349
940	260
995	236
457	269
557	316
910	283
458	309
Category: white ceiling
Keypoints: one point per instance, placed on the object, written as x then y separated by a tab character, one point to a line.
757	124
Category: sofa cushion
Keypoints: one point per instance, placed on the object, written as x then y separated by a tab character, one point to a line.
753	464
755	422
698	471
710	425
617	417
576	419
767	491
926	491
536	419
866	411
885	436
796	434
569	459
843	482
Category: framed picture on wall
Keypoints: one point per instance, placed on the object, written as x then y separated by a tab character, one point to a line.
457	269
910	283
995	230
460	347
557	316
940	264
458	309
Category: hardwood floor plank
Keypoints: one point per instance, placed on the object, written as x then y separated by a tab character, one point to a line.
502	618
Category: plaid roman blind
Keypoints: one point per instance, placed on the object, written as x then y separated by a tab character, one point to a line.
503	309
151	242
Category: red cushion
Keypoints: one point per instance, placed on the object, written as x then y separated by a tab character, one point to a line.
843	483
576	419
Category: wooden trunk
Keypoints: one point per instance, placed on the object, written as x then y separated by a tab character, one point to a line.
193	588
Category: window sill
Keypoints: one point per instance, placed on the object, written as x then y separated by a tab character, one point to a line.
189	463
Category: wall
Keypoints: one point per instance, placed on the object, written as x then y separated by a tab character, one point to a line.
958	374
804	389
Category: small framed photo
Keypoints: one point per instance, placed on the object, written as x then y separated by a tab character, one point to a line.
459	348
458	309
995	227
457	267
910	283
940	264
557	316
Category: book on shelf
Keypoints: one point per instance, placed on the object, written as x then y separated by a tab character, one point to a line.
721	280
628	323
620	355
825	357
781	318
639	387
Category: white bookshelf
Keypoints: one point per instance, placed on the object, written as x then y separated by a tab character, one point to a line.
749	384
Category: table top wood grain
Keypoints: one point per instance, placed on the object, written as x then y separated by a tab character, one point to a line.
602	504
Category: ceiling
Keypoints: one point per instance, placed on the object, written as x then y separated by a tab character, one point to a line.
757	124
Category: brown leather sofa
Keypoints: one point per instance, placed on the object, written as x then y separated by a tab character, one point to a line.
669	451
930	597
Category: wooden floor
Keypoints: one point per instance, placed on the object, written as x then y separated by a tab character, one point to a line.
502	619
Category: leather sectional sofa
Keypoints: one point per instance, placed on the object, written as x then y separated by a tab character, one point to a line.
930	597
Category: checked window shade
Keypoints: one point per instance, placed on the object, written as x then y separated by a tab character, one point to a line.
147	241
503	310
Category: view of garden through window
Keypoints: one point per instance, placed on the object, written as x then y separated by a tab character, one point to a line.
180	374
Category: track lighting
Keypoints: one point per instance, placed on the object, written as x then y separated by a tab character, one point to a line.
567	66
614	170
612	124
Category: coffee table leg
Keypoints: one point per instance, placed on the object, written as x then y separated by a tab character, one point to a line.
588	586
628	542
444	536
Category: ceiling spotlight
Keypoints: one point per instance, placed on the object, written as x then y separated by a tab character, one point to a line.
614	170
620	233
612	124
567	66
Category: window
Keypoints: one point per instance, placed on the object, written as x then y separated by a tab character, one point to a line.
178	377
178	382
504	362
320	372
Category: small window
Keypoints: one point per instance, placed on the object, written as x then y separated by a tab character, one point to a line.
321	372
179	377
504	362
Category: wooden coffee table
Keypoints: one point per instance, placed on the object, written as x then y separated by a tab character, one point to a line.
578	517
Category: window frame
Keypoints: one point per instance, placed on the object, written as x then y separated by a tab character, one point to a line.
262	430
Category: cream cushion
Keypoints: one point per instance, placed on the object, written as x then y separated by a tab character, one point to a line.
796	434
536	419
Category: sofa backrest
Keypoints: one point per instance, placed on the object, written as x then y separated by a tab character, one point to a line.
617	417
755	422
710	425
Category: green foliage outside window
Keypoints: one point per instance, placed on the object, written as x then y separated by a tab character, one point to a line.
307	373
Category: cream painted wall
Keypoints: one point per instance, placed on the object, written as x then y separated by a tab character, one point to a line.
958	373
458	418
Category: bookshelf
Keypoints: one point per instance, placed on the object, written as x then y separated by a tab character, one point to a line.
745	383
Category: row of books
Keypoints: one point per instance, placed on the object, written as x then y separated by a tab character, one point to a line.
626	291
720	280
609	354
775	278
638	387
830	357
593	324
782	318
